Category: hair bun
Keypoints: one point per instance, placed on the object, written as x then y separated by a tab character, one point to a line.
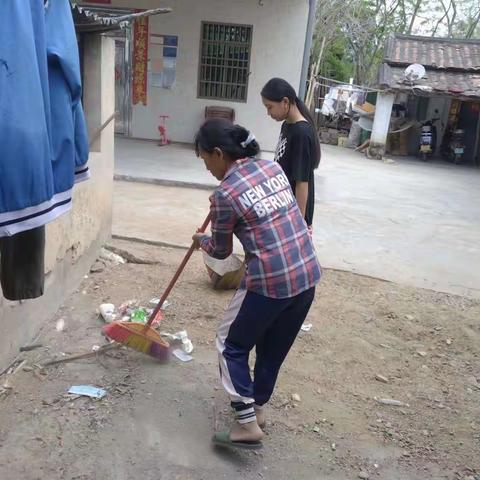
234	140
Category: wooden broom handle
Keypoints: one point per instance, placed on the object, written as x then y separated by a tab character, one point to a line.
177	273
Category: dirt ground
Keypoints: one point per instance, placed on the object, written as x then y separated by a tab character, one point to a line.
156	420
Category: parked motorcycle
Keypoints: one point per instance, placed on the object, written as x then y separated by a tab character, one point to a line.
428	139
457	146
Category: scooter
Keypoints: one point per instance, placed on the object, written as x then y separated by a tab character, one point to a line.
428	139
457	146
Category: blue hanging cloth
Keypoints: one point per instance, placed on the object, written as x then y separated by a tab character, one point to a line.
69	132
43	139
26	177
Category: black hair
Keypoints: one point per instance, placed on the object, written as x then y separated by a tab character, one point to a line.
276	90
222	134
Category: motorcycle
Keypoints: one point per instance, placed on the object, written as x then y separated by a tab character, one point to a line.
428	139
457	146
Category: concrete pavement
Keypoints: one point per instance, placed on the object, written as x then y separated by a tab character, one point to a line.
171	164
161	215
407	222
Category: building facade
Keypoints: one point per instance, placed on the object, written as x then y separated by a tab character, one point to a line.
73	240
207	53
448	92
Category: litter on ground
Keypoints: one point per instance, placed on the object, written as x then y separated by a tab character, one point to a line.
181	336
87	391
181	355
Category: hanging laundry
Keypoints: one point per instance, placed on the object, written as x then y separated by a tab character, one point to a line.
43	136
22	264
69	132
26	177
82	148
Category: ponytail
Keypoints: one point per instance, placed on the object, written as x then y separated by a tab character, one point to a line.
276	90
308	116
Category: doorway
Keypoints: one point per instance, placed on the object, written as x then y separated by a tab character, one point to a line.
468	121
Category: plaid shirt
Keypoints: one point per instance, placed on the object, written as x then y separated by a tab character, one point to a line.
254	201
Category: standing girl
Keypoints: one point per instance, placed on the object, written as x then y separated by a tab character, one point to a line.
254	201
298	150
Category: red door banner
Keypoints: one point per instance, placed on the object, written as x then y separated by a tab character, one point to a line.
140	60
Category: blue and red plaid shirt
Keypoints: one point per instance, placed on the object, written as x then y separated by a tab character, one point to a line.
254	201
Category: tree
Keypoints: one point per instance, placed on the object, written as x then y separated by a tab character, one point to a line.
366	26
361	27
413	17
327	32
471	24
337	61
449	17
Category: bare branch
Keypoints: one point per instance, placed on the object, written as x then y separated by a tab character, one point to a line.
416	10
473	25
445	16
454	17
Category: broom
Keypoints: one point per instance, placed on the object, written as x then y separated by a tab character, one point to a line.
144	338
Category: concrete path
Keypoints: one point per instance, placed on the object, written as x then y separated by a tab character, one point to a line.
155	213
146	161
408	222
160	214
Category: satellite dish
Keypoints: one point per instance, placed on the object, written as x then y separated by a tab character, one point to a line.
414	72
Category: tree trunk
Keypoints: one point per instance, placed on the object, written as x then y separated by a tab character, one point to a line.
473	26
445	16
451	24
414	16
404	16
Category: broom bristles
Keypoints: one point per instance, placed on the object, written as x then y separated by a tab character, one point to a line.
138	337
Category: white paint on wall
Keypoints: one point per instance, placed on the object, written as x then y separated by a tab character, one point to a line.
381	121
279	28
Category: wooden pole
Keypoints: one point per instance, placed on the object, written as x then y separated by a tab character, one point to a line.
102	127
314	73
72	358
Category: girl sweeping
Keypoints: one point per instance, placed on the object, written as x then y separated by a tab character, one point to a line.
298	150
254	201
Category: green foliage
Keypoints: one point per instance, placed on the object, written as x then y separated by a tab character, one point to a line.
338	63
350	34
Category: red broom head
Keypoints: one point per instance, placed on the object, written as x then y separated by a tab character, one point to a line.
140	337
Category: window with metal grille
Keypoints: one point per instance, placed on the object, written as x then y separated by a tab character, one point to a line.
224	61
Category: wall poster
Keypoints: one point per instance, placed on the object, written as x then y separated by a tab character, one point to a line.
162	62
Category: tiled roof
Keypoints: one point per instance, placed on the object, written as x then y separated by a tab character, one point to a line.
450	83
436	53
452	66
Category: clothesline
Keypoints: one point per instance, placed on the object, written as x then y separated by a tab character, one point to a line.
414	90
358	87
120	18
